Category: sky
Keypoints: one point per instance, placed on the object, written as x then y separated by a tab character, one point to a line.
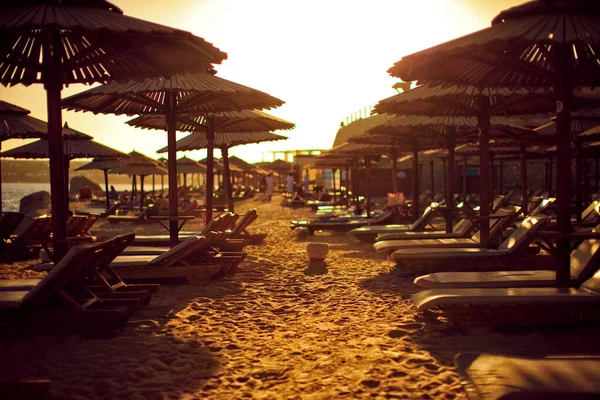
327	59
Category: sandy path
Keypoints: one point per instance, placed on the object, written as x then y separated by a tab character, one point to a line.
280	328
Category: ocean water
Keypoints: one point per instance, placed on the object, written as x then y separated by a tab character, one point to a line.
13	192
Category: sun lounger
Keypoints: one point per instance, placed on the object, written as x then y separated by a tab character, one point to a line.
95	274
9	222
584	263
437	240
517	306
221	223
342	224
191	259
101	212
475	259
28	242
130	218
368	234
52	306
498	377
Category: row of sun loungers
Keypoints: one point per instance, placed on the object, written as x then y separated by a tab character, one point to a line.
86	291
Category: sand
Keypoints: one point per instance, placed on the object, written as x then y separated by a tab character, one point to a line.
279	329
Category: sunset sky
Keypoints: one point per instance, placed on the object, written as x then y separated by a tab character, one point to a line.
325	58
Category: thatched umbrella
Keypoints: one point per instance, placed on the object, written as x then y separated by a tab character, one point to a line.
224	141
139	164
57	43
245	122
537	44
15	123
447	131
580	122
199	93
103	165
75	145
188	166
466	101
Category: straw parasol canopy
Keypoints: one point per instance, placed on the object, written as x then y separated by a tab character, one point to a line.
537	44
200	93
482	103
57	43
188	166
139	164
104	165
224	141
75	145
15	123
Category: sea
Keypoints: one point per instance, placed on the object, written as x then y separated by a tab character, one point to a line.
13	192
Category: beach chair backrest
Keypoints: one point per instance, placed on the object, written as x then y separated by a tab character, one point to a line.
68	268
592	285
245	222
585	258
496	226
462	227
74	225
85	227
381	217
498	202
39	228
543	206
521	237
9	222
591	213
533	204
422	222
179	252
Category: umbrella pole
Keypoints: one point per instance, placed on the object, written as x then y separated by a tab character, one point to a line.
597	165
415	179
53	86
431	166
141	192
172	166
501	177
450	180
106	189
153	184
550	175
67	194
483	121
525	189
227	178
132	189
333	171
368	176
394	170
162	184
564	92
210	178
492	178
578	176
464	178
0	179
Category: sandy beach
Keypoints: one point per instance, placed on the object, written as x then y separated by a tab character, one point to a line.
281	328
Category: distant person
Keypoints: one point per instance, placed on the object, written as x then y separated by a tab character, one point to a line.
270	185
306	181
113	194
263	184
290	184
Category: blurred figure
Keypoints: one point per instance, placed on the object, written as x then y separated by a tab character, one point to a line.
306	181
290	184
269	186
113	194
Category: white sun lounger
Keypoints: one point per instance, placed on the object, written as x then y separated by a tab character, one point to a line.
584	263
465	258
497	377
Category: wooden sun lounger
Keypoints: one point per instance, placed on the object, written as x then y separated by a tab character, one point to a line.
584	263
507	307
439	241
9	222
476	259
28	242
187	260
95	275
368	234
130	218
498	377
101	212
342	224
52	305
